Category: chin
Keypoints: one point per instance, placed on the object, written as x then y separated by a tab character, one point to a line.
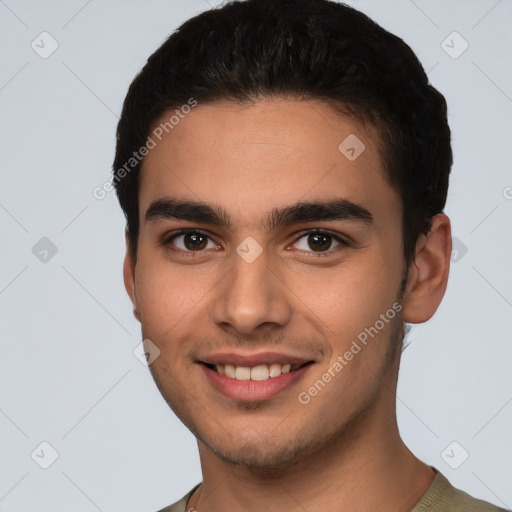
262	451
260	455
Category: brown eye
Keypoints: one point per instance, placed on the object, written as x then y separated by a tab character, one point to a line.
190	241
194	241
319	242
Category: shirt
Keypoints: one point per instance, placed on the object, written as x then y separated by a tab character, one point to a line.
441	496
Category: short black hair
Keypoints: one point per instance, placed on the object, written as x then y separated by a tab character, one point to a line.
305	50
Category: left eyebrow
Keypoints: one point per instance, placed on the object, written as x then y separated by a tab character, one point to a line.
336	209
300	212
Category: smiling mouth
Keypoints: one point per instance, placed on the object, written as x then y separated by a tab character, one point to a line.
258	373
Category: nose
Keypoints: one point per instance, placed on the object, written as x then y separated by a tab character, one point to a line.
251	297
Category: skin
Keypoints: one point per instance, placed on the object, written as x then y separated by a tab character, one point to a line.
342	449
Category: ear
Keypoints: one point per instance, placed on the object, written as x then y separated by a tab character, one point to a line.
428	273
129	277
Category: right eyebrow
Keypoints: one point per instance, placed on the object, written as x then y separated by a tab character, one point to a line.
194	211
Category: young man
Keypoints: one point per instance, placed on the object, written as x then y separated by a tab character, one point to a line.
283	167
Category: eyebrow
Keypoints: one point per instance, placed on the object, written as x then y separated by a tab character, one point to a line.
200	212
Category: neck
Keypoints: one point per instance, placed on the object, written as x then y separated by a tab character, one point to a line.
366	467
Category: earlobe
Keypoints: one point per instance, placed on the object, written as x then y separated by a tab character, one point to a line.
428	273
129	278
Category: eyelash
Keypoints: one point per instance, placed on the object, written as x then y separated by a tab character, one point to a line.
168	242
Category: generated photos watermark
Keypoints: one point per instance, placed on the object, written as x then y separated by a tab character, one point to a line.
152	141
304	397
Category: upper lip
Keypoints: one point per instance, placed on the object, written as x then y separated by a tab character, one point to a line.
251	360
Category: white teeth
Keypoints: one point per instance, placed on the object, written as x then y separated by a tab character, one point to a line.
229	369
243	373
257	373
260	372
275	370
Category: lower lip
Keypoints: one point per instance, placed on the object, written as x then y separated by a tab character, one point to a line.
253	390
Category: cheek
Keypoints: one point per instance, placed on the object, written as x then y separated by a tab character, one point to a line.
347	298
167	297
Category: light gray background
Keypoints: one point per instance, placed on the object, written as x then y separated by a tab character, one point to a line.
68	373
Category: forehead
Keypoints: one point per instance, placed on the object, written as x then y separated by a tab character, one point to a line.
272	153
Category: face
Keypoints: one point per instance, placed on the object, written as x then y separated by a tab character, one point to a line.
291	256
